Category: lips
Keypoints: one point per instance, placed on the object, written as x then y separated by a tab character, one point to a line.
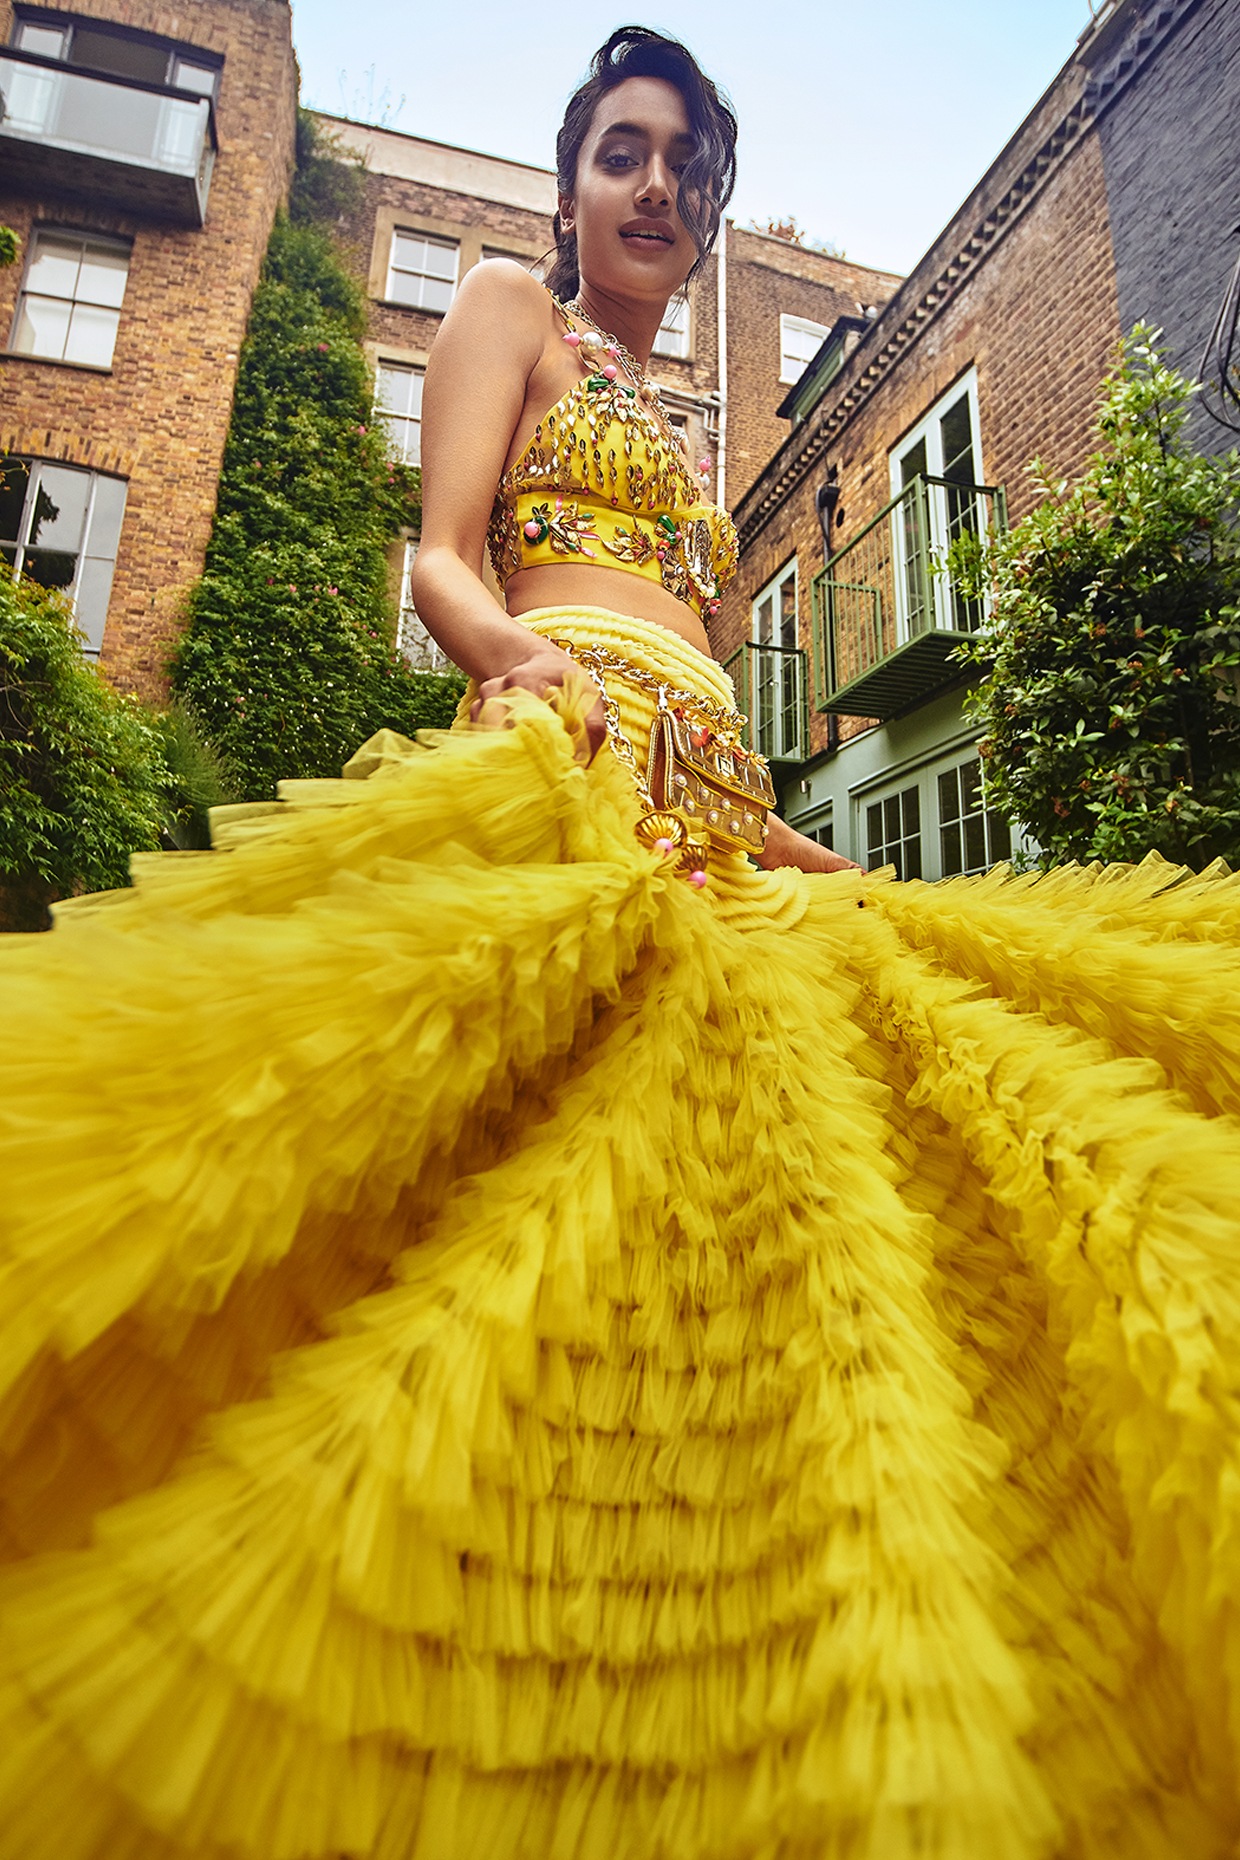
648	232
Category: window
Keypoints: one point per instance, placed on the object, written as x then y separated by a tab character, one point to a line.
422	652
893	833
775	610
971	837
799	342
60	526
422	271
398	404
777	689
94	46
939	465
673	336
70	305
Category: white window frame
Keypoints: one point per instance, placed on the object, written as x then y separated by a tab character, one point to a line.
928	431
96	552
789	373
442	240
39	235
990	821
413	642
895	794
923	772
776	695
384	415
674	332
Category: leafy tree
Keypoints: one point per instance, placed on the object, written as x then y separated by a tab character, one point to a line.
1111	705
10	245
83	782
289	659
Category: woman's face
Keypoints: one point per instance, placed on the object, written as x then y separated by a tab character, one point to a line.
631	241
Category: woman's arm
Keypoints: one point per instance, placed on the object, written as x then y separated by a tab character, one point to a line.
785	846
491	341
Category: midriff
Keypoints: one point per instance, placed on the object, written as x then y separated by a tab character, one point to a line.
556	585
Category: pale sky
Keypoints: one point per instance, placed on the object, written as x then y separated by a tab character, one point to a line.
869	121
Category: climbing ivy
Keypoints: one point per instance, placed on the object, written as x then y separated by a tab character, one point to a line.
289	658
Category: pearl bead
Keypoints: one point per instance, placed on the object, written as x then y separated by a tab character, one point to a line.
611	371
663	846
698	879
591	342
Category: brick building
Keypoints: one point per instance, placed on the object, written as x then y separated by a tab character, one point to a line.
431	212
921	423
144	148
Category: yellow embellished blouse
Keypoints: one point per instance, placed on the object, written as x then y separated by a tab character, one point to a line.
600	482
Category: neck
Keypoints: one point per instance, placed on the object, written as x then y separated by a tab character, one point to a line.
635	325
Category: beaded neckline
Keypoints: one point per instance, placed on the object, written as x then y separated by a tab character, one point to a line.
673	452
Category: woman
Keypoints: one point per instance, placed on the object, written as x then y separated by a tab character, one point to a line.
554	1342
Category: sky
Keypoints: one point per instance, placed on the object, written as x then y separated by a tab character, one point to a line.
868	121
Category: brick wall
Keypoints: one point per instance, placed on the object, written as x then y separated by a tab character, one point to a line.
1171	153
767	278
1036	315
159	416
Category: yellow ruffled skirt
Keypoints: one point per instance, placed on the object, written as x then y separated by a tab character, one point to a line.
508	1357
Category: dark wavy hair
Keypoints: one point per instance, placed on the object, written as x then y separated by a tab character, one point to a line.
710	173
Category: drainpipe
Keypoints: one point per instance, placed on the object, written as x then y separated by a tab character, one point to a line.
721	314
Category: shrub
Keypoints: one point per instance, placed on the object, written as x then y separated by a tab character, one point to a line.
82	777
1112	726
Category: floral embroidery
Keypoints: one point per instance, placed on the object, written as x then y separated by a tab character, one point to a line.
629	545
562	527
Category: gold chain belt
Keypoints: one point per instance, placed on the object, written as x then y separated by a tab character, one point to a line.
702	788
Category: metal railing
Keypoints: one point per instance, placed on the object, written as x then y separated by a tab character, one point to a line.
66	122
773	691
890	588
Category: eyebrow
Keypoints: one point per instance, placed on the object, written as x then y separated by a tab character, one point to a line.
635	129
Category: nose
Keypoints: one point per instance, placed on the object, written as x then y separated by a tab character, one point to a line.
656	187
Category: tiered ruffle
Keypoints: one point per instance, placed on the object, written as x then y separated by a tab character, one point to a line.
507	1356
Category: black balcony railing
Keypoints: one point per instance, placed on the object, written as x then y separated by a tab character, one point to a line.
887	613
148	147
773	691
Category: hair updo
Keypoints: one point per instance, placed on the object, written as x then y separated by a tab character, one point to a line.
709	175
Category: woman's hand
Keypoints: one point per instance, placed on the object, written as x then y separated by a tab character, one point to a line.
785	846
544	668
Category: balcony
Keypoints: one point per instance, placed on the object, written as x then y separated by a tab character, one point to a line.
146	147
772	690
887	614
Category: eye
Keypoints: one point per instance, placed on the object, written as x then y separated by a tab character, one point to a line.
619	159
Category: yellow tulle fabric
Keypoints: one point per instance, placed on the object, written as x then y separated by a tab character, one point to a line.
505	1355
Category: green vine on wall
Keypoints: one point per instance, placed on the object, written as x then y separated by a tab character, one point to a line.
289	658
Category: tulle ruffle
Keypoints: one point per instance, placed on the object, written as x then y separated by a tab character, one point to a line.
505	1355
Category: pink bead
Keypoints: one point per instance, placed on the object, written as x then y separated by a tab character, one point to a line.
704	464
698	879
611	349
663	846
611	371
533	530
573	339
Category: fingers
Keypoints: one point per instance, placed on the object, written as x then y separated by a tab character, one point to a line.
596	730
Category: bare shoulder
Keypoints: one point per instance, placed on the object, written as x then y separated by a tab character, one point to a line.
500	296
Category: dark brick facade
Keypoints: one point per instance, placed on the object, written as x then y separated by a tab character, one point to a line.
159	416
1170	140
